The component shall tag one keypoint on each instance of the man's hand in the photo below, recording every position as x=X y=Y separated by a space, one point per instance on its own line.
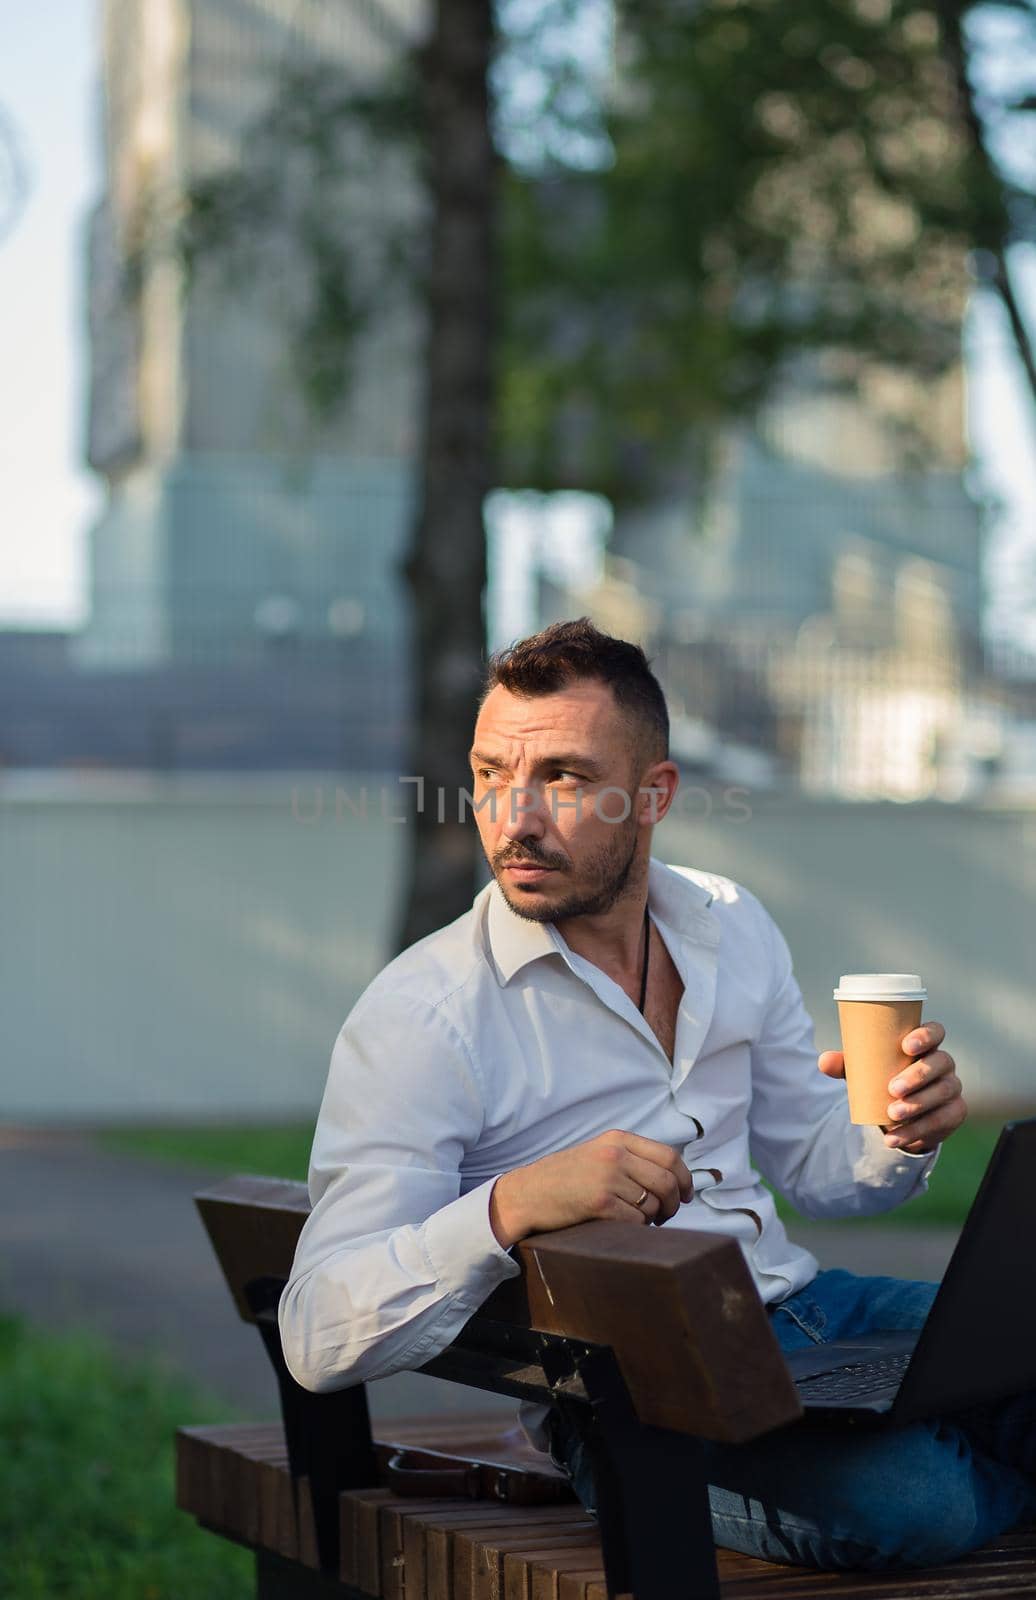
x=601 y=1178
x=926 y=1102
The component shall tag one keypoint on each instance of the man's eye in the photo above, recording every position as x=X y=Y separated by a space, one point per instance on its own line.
x=575 y=776
x=485 y=772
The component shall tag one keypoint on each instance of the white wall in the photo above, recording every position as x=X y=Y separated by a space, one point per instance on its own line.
x=947 y=891
x=188 y=949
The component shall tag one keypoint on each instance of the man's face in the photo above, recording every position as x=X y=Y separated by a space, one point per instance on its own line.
x=555 y=788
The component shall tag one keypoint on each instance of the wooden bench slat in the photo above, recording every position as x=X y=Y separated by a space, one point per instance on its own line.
x=478 y=1555
x=235 y=1479
x=904 y=1587
x=487 y=1562
x=368 y=1542
x=426 y=1543
x=392 y=1518
x=427 y=1550
x=518 y=1567
x=486 y=1518
x=276 y=1512
x=957 y=1581
x=573 y=1585
x=545 y=1577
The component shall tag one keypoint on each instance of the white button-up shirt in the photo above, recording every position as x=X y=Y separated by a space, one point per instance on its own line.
x=490 y=1044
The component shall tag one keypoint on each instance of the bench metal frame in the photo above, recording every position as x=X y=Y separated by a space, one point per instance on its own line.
x=647 y=1340
x=652 y=1495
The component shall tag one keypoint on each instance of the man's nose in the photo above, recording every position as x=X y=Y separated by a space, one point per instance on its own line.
x=523 y=813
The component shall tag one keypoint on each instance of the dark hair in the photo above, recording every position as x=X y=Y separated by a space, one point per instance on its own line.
x=571 y=652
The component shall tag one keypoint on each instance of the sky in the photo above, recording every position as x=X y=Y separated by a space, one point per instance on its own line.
x=1002 y=437
x=48 y=498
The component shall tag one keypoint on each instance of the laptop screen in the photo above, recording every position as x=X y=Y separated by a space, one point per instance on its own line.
x=979 y=1342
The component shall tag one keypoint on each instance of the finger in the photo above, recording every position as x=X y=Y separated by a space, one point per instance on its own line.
x=929 y=1098
x=940 y=1064
x=928 y=1037
x=831 y=1063
x=661 y=1155
x=662 y=1185
x=916 y=1147
x=927 y=1131
x=620 y=1210
x=650 y=1207
x=924 y=1137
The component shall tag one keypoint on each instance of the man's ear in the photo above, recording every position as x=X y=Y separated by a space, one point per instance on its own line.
x=656 y=791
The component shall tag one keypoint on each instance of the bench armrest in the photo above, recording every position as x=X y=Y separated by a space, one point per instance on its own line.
x=682 y=1315
x=678 y=1308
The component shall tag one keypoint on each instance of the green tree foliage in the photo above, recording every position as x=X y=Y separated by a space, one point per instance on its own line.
x=784 y=178
x=750 y=181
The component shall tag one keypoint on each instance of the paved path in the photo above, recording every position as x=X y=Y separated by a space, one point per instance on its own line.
x=109 y=1241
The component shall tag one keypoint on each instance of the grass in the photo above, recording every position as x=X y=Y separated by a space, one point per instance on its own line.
x=87 y=1482
x=284 y=1153
x=274 y=1152
x=952 y=1186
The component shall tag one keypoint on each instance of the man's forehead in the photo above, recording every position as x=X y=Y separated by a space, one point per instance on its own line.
x=585 y=711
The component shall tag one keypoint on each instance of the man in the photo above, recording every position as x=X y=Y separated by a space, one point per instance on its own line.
x=605 y=1036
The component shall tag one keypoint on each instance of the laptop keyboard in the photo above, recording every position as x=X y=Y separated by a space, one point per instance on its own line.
x=860 y=1381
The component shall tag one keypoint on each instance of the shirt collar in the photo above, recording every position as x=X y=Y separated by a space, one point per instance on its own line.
x=673 y=898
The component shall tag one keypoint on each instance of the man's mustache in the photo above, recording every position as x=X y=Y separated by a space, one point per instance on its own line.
x=526 y=857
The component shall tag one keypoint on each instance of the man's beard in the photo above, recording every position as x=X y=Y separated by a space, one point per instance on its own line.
x=608 y=869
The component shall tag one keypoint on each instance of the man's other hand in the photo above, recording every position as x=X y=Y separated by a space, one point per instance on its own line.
x=602 y=1178
x=926 y=1100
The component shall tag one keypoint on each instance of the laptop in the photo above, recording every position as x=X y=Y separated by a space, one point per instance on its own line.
x=979 y=1340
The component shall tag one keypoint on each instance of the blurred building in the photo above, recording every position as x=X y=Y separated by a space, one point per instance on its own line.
x=293 y=713
x=822 y=605
x=237 y=532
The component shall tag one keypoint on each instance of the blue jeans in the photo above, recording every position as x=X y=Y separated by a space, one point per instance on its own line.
x=869 y=1498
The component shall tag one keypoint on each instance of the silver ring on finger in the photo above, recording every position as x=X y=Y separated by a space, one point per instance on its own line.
x=643 y=1196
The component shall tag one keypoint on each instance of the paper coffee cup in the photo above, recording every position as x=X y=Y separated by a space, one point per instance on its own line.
x=876 y=1011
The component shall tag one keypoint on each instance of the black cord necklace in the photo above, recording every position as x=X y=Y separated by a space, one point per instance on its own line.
x=647 y=952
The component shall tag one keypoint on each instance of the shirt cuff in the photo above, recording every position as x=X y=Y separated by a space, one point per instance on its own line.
x=893 y=1165
x=465 y=1254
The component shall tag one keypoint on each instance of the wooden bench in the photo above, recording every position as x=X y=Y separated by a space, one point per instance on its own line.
x=649 y=1340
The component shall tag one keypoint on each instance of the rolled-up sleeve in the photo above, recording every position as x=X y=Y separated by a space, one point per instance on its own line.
x=393 y=1258
x=801 y=1137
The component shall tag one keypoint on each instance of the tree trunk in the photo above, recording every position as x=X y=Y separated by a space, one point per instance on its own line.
x=446 y=566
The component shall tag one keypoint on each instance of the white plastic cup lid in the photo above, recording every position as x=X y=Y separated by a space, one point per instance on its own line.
x=880 y=986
